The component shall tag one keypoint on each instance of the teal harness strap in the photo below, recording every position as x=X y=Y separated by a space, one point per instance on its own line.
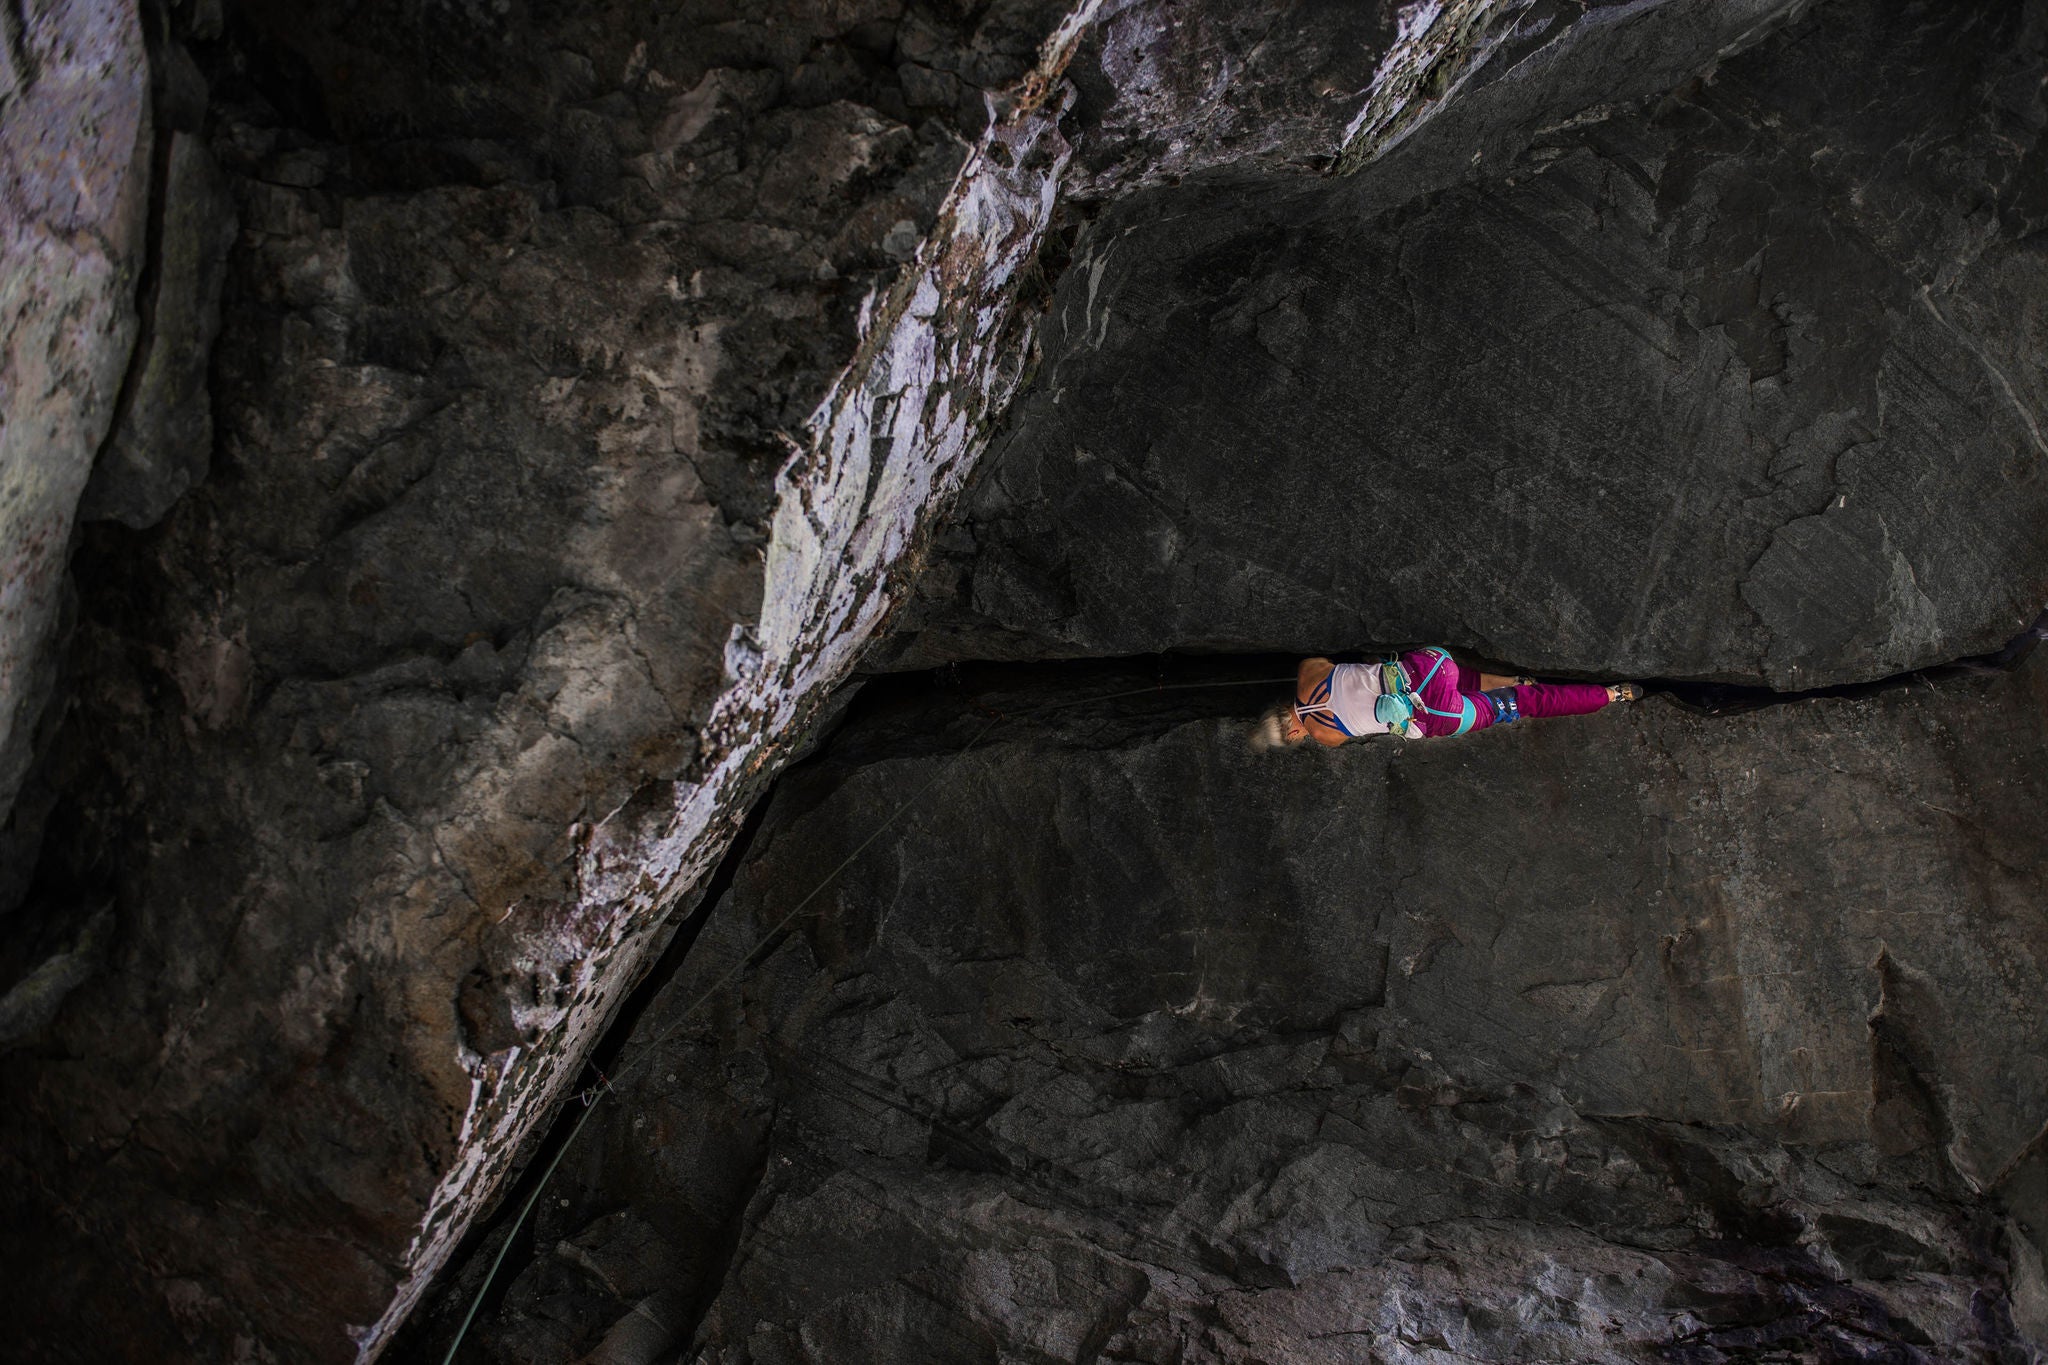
x=1399 y=699
x=1441 y=657
x=1467 y=714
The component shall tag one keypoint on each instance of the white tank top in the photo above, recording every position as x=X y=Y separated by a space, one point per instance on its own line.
x=1347 y=696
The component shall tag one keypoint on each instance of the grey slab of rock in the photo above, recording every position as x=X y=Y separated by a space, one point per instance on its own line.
x=520 y=313
x=1739 y=381
x=74 y=185
x=401 y=735
x=163 y=439
x=1633 y=1037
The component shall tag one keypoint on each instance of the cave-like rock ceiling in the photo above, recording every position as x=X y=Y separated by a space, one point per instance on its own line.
x=633 y=640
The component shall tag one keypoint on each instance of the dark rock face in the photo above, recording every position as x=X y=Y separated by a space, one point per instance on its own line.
x=440 y=628
x=518 y=305
x=392 y=745
x=1739 y=381
x=162 y=440
x=74 y=190
x=1644 y=1037
x=1636 y=1037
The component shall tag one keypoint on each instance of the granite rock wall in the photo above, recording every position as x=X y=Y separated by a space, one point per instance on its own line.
x=75 y=150
x=587 y=381
x=1046 y=1016
x=1726 y=375
x=1644 y=1036
x=588 y=384
x=521 y=316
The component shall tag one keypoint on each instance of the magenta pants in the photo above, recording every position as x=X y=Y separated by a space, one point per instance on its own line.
x=1451 y=685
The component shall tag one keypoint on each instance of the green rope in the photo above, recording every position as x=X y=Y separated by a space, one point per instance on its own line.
x=512 y=1234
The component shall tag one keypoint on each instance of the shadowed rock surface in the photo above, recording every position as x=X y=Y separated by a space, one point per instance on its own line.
x=1738 y=381
x=74 y=191
x=518 y=304
x=1637 y=1037
x=443 y=625
x=427 y=655
x=1646 y=1037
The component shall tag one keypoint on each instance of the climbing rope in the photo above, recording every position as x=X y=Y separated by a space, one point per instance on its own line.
x=608 y=1085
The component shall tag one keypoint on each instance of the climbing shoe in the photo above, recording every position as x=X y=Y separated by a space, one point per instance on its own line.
x=1628 y=691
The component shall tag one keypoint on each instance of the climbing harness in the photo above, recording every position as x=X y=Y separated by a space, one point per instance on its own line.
x=1384 y=688
x=1399 y=701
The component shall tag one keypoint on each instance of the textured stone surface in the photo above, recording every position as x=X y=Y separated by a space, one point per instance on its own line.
x=518 y=308
x=1637 y=1037
x=163 y=437
x=1739 y=381
x=1169 y=89
x=399 y=736
x=537 y=530
x=74 y=186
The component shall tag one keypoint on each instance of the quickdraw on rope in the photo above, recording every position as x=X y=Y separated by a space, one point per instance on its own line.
x=592 y=1094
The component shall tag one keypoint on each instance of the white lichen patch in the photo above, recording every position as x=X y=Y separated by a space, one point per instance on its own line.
x=891 y=444
x=1437 y=45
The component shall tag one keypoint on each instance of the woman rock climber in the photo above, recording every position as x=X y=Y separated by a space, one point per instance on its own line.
x=1431 y=697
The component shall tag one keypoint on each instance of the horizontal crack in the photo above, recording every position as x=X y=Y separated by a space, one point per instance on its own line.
x=908 y=714
x=1728 y=699
x=943 y=710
